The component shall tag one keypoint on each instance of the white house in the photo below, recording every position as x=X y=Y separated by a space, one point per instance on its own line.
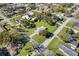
x=38 y=30
x=30 y=13
x=25 y=17
x=75 y=31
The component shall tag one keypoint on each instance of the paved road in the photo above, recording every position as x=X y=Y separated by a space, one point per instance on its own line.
x=46 y=43
x=63 y=52
x=55 y=33
x=70 y=28
x=68 y=51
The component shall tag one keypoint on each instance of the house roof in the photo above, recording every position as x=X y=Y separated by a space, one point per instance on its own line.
x=72 y=40
x=40 y=29
x=76 y=24
x=33 y=19
x=75 y=31
x=30 y=13
x=25 y=16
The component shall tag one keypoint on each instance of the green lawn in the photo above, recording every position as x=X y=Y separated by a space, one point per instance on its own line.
x=13 y=20
x=54 y=46
x=8 y=26
x=39 y=39
x=59 y=53
x=39 y=24
x=2 y=45
x=77 y=50
x=30 y=31
x=42 y=23
x=23 y=52
x=26 y=49
x=63 y=34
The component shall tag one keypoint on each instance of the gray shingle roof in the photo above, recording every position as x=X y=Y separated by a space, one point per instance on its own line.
x=72 y=40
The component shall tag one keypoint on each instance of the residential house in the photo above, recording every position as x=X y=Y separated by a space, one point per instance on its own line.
x=38 y=30
x=30 y=13
x=72 y=40
x=26 y=17
x=76 y=24
x=34 y=19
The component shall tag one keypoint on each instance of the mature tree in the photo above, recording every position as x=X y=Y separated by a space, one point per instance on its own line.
x=61 y=9
x=8 y=37
x=71 y=31
x=68 y=5
x=38 y=15
x=25 y=22
x=47 y=17
x=14 y=35
x=4 y=37
x=4 y=52
x=32 y=5
x=77 y=35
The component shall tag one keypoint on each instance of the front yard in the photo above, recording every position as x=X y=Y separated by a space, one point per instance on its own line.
x=40 y=39
x=63 y=34
x=26 y=49
x=54 y=46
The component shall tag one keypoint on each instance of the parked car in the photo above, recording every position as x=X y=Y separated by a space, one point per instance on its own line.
x=31 y=26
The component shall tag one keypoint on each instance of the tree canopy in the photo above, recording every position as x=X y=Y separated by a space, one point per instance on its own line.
x=9 y=36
